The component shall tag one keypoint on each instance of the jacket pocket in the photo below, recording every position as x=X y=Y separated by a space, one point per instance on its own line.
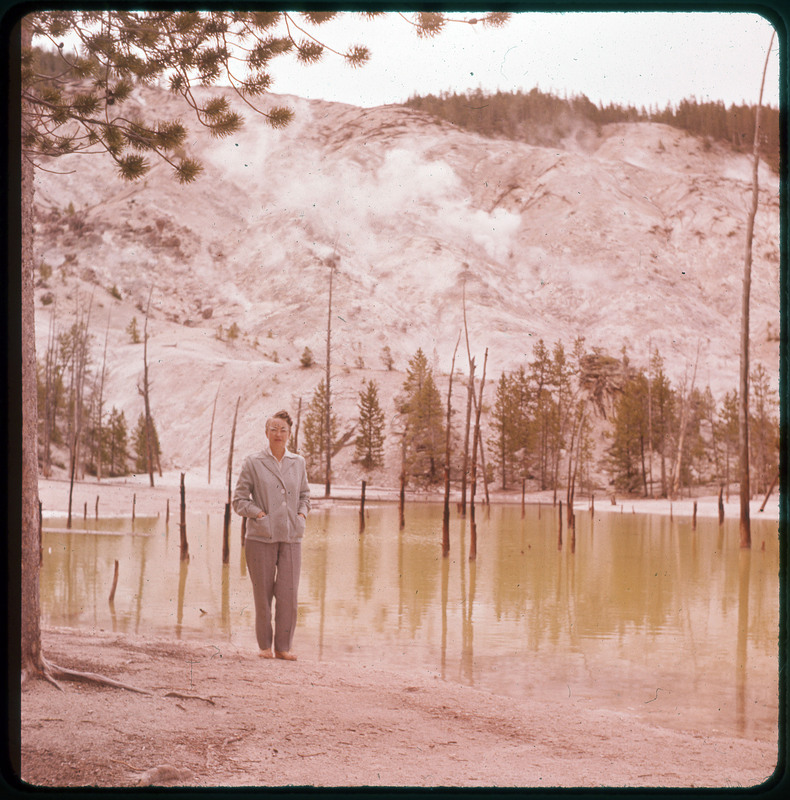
x=260 y=527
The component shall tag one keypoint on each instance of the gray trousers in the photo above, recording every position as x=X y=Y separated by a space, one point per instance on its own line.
x=274 y=570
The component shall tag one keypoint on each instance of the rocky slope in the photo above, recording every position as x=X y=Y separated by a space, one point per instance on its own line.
x=634 y=237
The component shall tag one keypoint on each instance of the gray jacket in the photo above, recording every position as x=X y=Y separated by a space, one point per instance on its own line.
x=279 y=490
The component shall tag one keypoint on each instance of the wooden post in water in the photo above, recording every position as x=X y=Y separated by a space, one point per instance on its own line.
x=402 y=499
x=362 y=508
x=114 y=584
x=592 y=504
x=572 y=531
x=559 y=528
x=85 y=512
x=694 y=517
x=134 y=504
x=183 y=524
x=446 y=511
x=226 y=535
x=97 y=507
x=721 y=506
x=476 y=447
x=226 y=526
x=167 y=512
x=523 y=496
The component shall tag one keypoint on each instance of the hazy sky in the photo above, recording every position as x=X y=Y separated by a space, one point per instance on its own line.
x=630 y=58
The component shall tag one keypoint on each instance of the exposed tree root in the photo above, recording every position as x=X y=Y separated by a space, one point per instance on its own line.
x=190 y=697
x=52 y=672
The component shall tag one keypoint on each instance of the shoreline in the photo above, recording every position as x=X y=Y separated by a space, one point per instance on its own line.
x=134 y=493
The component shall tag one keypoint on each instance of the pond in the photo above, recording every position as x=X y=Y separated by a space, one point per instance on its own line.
x=643 y=614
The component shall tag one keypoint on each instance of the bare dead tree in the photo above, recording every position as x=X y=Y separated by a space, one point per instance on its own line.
x=79 y=365
x=296 y=427
x=145 y=392
x=743 y=405
x=476 y=437
x=446 y=515
x=573 y=461
x=685 y=406
x=650 y=415
x=331 y=263
x=50 y=397
x=100 y=401
x=211 y=429
x=182 y=525
x=470 y=392
x=226 y=528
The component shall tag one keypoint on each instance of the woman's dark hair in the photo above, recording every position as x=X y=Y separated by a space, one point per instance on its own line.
x=285 y=417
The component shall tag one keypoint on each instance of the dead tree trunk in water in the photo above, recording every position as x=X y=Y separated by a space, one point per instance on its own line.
x=328 y=421
x=145 y=391
x=476 y=437
x=211 y=430
x=402 y=499
x=79 y=368
x=470 y=392
x=183 y=525
x=480 y=443
x=446 y=515
x=743 y=409
x=100 y=402
x=573 y=464
x=226 y=531
x=685 y=405
x=559 y=528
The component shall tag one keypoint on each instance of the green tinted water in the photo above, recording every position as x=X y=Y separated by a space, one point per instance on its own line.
x=641 y=615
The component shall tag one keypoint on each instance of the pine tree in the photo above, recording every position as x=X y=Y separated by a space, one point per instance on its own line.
x=117 y=445
x=763 y=428
x=140 y=448
x=314 y=442
x=662 y=398
x=420 y=408
x=626 y=454
x=369 y=452
x=505 y=421
x=544 y=407
x=727 y=424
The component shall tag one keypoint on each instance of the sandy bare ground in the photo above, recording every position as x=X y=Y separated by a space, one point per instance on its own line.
x=219 y=717
x=214 y=716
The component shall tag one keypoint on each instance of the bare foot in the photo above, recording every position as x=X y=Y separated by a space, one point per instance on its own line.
x=266 y=654
x=286 y=656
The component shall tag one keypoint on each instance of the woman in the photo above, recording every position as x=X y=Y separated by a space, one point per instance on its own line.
x=273 y=494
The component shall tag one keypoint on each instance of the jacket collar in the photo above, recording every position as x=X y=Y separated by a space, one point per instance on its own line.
x=270 y=462
x=267 y=451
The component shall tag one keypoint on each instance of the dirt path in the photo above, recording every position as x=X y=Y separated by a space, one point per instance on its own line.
x=220 y=717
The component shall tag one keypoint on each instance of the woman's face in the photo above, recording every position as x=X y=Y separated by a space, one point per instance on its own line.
x=277 y=432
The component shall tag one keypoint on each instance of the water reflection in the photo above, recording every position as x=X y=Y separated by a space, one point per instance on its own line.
x=643 y=614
